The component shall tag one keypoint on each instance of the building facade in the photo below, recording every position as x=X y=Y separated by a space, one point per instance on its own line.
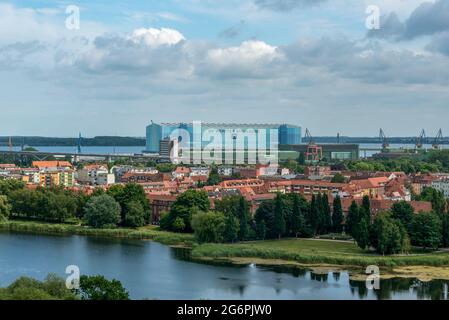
x=155 y=133
x=443 y=186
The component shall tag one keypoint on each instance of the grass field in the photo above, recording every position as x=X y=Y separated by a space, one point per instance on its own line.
x=308 y=251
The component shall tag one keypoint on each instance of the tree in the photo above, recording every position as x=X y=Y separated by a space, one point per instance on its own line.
x=261 y=229
x=297 y=224
x=214 y=178
x=388 y=235
x=184 y=206
x=5 y=208
x=326 y=219
x=338 y=178
x=425 y=230
x=209 y=226
x=402 y=211
x=9 y=185
x=135 y=214
x=314 y=215
x=24 y=288
x=353 y=218
x=243 y=216
x=366 y=208
x=337 y=215
x=361 y=233
x=128 y=193
x=231 y=229
x=279 y=218
x=99 y=288
x=444 y=216
x=102 y=211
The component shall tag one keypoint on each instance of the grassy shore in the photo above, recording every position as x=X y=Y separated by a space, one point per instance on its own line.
x=304 y=252
x=145 y=233
x=314 y=252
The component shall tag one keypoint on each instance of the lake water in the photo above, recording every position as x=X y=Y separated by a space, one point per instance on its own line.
x=151 y=270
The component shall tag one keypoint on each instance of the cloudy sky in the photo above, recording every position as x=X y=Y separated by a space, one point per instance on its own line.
x=312 y=63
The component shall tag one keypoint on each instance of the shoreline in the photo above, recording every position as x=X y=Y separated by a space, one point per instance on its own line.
x=204 y=253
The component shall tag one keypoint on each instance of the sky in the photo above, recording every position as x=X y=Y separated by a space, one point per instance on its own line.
x=312 y=63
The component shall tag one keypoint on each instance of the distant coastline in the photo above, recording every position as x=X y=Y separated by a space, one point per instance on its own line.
x=104 y=141
x=118 y=141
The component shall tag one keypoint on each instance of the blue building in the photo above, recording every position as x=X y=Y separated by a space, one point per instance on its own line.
x=287 y=134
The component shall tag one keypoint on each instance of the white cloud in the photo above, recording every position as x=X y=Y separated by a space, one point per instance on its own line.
x=157 y=37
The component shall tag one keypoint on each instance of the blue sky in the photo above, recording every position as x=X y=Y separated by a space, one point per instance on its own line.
x=309 y=63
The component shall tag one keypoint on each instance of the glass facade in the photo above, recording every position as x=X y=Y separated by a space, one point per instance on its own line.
x=153 y=137
x=289 y=134
x=286 y=134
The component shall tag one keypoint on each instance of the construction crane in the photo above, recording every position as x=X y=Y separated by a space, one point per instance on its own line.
x=383 y=140
x=438 y=139
x=314 y=152
x=421 y=140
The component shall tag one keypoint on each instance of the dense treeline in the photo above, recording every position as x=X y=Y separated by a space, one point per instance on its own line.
x=69 y=142
x=119 y=205
x=433 y=161
x=287 y=215
x=400 y=228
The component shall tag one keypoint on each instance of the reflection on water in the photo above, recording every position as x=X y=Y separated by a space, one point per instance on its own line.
x=151 y=270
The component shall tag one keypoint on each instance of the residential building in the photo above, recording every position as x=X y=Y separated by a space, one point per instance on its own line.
x=442 y=185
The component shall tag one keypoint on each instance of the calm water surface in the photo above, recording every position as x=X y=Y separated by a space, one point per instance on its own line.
x=151 y=270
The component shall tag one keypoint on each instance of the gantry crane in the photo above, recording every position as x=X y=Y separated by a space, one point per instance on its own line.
x=438 y=139
x=421 y=140
x=384 y=140
x=314 y=152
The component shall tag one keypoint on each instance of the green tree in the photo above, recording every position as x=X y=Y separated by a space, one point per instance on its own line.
x=243 y=216
x=214 y=178
x=209 y=226
x=362 y=233
x=425 y=230
x=9 y=185
x=338 y=178
x=353 y=218
x=402 y=211
x=326 y=219
x=24 y=288
x=100 y=288
x=135 y=214
x=231 y=229
x=129 y=193
x=366 y=208
x=261 y=229
x=5 y=208
x=313 y=219
x=102 y=212
x=279 y=218
x=388 y=235
x=184 y=206
x=298 y=221
x=337 y=215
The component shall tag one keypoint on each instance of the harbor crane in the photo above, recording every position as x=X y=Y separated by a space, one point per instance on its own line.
x=314 y=152
x=438 y=139
x=421 y=140
x=384 y=140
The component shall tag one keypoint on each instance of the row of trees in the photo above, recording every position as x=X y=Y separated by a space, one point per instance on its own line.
x=396 y=230
x=286 y=215
x=124 y=205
